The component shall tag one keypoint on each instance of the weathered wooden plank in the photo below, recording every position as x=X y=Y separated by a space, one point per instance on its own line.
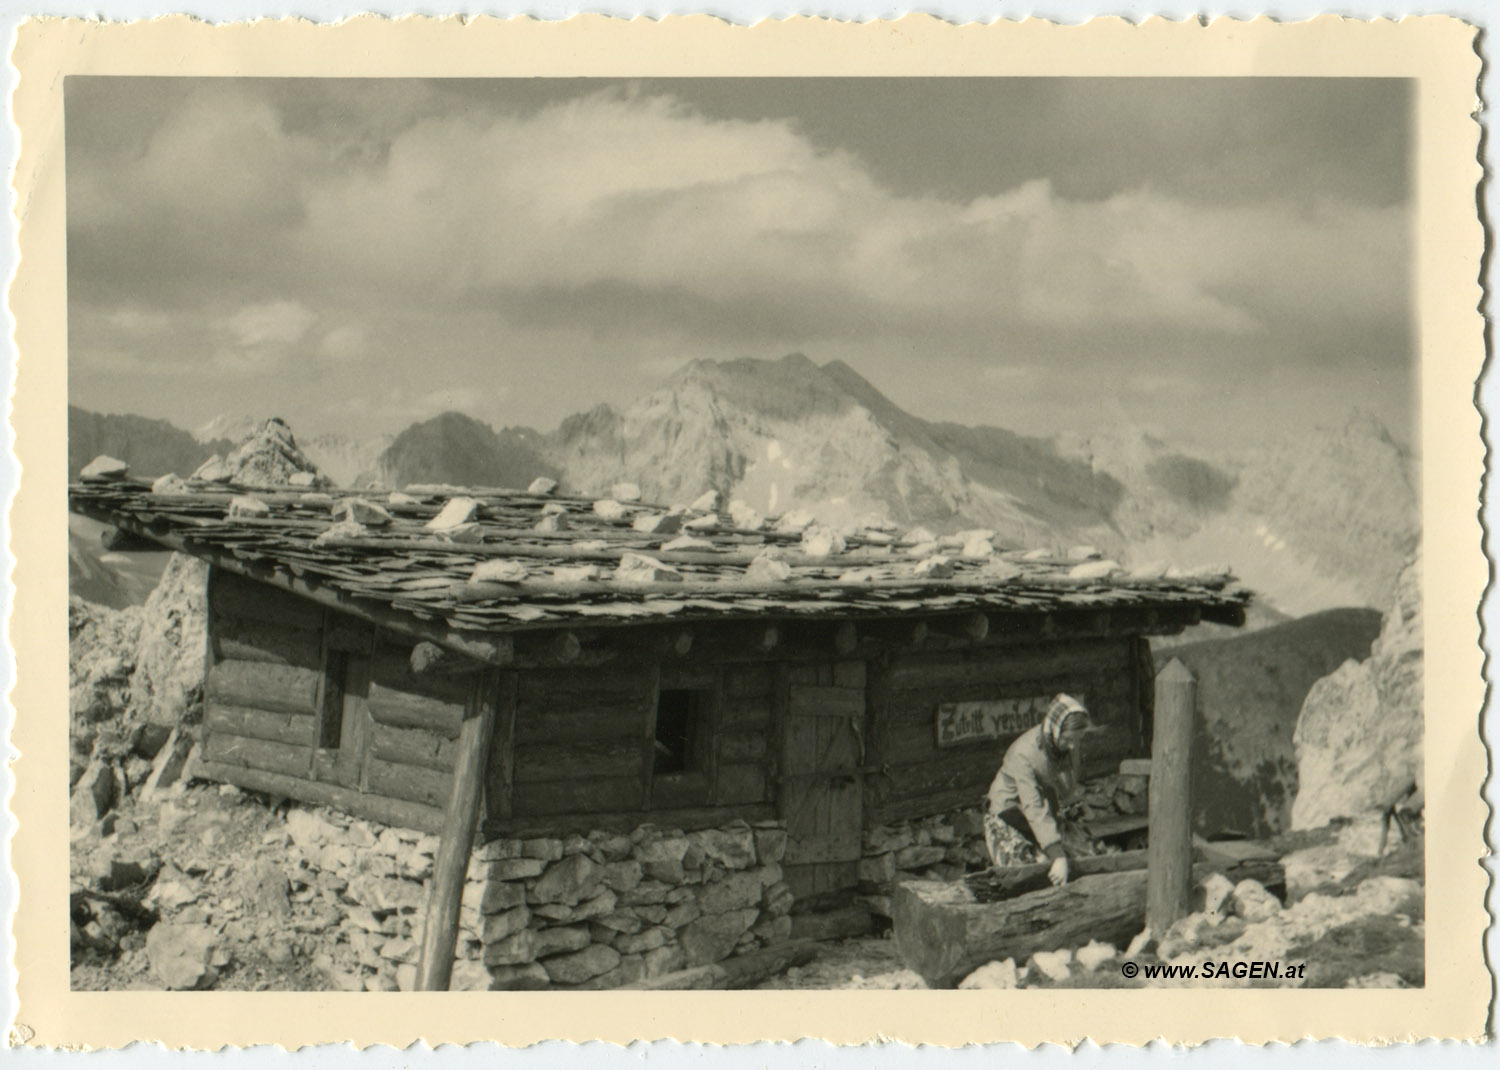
x=264 y=686
x=241 y=639
x=349 y=634
x=296 y=729
x=955 y=769
x=742 y=747
x=387 y=811
x=405 y=710
x=747 y=680
x=391 y=669
x=550 y=689
x=955 y=669
x=806 y=700
x=679 y=790
x=501 y=772
x=409 y=782
x=697 y=817
x=413 y=746
x=238 y=596
x=1109 y=695
x=610 y=757
x=590 y=721
x=577 y=796
x=264 y=754
x=745 y=711
x=904 y=808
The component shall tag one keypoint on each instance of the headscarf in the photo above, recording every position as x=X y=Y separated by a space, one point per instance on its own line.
x=1063 y=707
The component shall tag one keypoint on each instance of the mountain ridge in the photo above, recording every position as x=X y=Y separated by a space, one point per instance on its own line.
x=1319 y=518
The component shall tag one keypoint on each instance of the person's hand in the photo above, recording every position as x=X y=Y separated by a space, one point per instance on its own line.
x=1058 y=873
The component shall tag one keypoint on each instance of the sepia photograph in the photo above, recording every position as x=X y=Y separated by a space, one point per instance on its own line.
x=735 y=533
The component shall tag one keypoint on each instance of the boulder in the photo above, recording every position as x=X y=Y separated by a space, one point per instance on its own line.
x=168 y=680
x=95 y=793
x=370 y=514
x=513 y=950
x=1359 y=737
x=732 y=847
x=622 y=876
x=663 y=960
x=1053 y=965
x=1211 y=896
x=560 y=938
x=1253 y=902
x=599 y=906
x=169 y=765
x=541 y=485
x=993 y=975
x=738 y=891
x=105 y=467
x=1095 y=954
x=637 y=568
x=770 y=844
x=455 y=514
x=506 y=923
x=182 y=955
x=574 y=878
x=646 y=940
x=581 y=966
x=778 y=898
x=529 y=977
x=514 y=869
x=714 y=936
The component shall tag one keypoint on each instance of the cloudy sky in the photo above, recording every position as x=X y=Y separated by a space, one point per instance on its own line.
x=1204 y=257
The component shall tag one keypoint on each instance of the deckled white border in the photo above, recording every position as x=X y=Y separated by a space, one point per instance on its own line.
x=669 y=1055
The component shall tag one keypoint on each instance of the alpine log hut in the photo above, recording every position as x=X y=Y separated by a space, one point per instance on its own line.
x=650 y=734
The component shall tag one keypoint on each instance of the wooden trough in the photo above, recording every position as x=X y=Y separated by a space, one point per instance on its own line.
x=944 y=930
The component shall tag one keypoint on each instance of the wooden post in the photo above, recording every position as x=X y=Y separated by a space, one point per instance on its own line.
x=451 y=866
x=1169 y=864
x=846 y=639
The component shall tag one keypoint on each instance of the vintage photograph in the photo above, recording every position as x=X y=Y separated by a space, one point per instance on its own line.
x=727 y=533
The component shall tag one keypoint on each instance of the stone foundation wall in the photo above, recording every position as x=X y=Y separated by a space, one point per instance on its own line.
x=940 y=847
x=605 y=910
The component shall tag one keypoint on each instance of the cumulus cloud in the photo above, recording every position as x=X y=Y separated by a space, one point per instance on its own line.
x=270 y=323
x=613 y=190
x=582 y=241
x=343 y=343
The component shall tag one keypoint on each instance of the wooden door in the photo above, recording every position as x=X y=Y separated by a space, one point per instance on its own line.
x=822 y=782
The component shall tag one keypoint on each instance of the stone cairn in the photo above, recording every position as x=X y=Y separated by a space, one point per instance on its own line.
x=605 y=910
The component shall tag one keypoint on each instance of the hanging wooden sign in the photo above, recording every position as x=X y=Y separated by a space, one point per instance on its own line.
x=963 y=722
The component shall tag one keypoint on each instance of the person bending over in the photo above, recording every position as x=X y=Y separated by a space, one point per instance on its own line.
x=1023 y=818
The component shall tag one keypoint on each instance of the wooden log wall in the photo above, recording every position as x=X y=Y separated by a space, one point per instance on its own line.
x=579 y=750
x=285 y=676
x=917 y=777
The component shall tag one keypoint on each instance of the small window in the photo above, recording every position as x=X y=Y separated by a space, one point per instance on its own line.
x=680 y=731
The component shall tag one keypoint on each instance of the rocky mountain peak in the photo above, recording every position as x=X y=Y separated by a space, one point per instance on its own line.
x=268 y=458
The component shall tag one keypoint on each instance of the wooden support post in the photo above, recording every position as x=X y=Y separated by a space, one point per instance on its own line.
x=451 y=866
x=1170 y=848
x=846 y=639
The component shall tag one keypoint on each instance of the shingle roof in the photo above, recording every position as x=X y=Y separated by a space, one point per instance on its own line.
x=498 y=572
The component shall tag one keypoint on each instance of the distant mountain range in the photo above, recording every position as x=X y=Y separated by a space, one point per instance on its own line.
x=1319 y=518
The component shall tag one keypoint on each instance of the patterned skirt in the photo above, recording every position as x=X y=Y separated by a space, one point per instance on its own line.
x=1009 y=847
